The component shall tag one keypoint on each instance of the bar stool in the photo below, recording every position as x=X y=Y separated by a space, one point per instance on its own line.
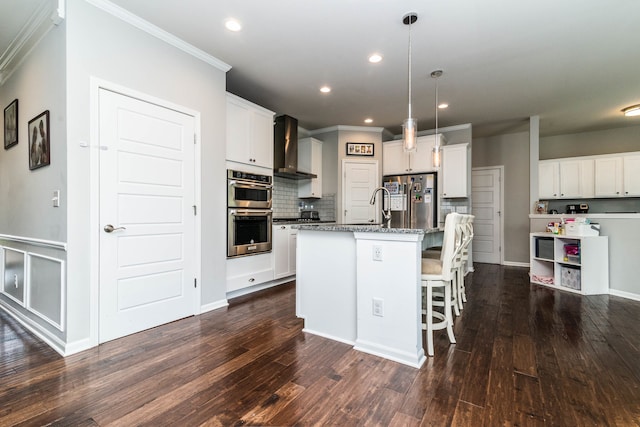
x=438 y=274
x=467 y=237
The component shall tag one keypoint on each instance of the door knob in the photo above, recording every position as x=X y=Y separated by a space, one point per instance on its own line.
x=110 y=228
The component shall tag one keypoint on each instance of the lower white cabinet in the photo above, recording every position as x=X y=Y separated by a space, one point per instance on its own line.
x=247 y=271
x=284 y=250
x=586 y=273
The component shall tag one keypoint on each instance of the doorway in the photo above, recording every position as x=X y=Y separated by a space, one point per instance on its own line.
x=487 y=206
x=147 y=236
x=360 y=179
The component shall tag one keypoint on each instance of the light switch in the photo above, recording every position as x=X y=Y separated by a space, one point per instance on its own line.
x=56 y=198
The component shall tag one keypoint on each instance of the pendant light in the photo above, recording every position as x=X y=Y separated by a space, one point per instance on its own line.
x=410 y=125
x=437 y=152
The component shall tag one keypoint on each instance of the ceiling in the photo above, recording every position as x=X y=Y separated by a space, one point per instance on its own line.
x=573 y=62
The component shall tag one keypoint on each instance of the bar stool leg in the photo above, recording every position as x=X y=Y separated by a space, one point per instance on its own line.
x=447 y=313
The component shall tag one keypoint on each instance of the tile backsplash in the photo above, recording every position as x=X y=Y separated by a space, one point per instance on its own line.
x=286 y=203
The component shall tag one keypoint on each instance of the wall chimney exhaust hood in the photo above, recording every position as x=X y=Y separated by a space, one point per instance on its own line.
x=285 y=149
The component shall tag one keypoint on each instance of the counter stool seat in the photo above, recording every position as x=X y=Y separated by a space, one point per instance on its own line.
x=437 y=274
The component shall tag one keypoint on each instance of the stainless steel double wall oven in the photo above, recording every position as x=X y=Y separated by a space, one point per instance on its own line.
x=249 y=214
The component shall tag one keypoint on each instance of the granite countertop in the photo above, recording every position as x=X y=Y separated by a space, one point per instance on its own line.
x=372 y=228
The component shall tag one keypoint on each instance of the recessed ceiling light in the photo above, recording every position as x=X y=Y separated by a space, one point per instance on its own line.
x=375 y=58
x=368 y=120
x=443 y=105
x=325 y=89
x=232 y=25
x=633 y=110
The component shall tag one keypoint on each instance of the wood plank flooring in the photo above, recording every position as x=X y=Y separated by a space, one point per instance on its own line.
x=526 y=356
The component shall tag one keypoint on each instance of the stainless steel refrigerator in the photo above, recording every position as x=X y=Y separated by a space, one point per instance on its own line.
x=413 y=200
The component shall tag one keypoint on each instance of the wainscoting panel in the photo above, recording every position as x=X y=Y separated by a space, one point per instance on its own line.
x=46 y=289
x=13 y=262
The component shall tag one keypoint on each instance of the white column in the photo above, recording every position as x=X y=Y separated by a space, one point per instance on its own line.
x=534 y=155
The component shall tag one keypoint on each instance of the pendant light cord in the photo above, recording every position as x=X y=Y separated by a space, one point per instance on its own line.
x=410 y=66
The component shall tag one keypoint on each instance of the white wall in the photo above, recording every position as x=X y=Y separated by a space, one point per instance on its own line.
x=26 y=209
x=99 y=45
x=512 y=151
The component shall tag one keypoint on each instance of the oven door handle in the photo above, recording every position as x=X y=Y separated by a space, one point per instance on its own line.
x=249 y=211
x=248 y=184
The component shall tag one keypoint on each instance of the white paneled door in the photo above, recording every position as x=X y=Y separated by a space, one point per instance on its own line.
x=486 y=197
x=360 y=179
x=147 y=235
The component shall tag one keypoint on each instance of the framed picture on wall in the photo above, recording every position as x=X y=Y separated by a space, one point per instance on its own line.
x=359 y=149
x=39 y=147
x=11 y=125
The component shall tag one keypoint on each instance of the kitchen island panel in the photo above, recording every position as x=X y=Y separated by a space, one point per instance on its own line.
x=327 y=269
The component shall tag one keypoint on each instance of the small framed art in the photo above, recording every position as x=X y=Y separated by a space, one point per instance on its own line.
x=39 y=146
x=359 y=149
x=11 y=125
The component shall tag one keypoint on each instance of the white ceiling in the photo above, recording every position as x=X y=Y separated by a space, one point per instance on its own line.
x=575 y=63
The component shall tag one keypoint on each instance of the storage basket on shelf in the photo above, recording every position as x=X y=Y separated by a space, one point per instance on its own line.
x=570 y=277
x=572 y=252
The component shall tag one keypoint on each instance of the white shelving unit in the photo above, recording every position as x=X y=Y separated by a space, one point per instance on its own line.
x=586 y=275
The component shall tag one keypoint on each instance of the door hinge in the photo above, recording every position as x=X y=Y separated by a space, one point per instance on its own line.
x=195 y=210
x=195 y=282
x=194 y=138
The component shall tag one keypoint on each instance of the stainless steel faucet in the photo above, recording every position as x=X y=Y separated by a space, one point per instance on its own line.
x=387 y=214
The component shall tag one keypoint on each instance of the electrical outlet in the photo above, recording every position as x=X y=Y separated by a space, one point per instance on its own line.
x=378 y=307
x=377 y=253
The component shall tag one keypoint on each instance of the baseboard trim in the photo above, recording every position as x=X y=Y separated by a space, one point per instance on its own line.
x=51 y=340
x=624 y=294
x=516 y=264
x=214 y=306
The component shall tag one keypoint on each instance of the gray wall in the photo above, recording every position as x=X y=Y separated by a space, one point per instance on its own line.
x=100 y=45
x=590 y=143
x=511 y=151
x=26 y=209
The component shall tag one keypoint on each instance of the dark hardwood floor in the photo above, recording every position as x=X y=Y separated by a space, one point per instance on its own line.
x=526 y=355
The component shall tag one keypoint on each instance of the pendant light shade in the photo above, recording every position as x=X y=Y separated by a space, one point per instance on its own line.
x=410 y=125
x=409 y=131
x=436 y=155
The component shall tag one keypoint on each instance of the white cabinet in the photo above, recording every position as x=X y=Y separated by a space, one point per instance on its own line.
x=608 y=177
x=244 y=272
x=310 y=161
x=631 y=175
x=548 y=180
x=454 y=171
x=565 y=179
x=249 y=133
x=396 y=162
x=587 y=273
x=284 y=251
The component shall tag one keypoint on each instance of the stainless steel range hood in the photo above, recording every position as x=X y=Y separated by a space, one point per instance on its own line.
x=285 y=151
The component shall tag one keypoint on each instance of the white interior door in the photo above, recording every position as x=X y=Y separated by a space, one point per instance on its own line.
x=360 y=179
x=147 y=193
x=486 y=206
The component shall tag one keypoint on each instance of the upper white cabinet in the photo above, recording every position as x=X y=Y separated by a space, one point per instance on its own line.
x=454 y=170
x=396 y=162
x=249 y=133
x=548 y=180
x=608 y=177
x=310 y=161
x=631 y=175
x=565 y=179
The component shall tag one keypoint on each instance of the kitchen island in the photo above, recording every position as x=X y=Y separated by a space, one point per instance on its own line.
x=360 y=284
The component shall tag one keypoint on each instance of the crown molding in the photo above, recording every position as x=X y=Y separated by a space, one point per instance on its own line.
x=44 y=18
x=159 y=33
